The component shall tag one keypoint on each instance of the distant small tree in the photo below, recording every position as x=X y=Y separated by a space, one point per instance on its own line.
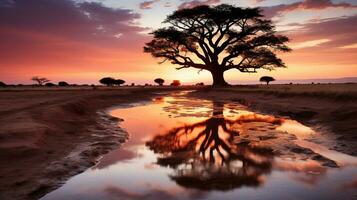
x=175 y=83
x=63 y=84
x=2 y=84
x=159 y=81
x=266 y=79
x=108 y=81
x=50 y=84
x=40 y=80
x=200 y=84
x=118 y=82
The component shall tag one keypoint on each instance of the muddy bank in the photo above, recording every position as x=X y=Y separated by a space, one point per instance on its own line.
x=333 y=117
x=48 y=136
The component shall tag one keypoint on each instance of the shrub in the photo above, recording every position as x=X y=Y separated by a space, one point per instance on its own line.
x=63 y=84
x=175 y=83
x=50 y=84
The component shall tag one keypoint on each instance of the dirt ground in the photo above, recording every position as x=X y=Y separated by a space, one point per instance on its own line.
x=47 y=136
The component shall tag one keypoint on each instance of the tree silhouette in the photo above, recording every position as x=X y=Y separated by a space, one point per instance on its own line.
x=63 y=84
x=266 y=79
x=218 y=39
x=205 y=154
x=108 y=81
x=118 y=82
x=2 y=84
x=40 y=80
x=159 y=81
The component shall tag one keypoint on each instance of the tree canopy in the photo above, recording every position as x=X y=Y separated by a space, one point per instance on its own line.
x=109 y=81
x=218 y=39
x=159 y=81
x=40 y=80
x=50 y=84
x=266 y=79
x=119 y=82
x=63 y=84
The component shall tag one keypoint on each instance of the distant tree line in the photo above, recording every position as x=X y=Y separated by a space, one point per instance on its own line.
x=109 y=81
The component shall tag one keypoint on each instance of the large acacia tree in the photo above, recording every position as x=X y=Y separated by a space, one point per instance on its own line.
x=218 y=39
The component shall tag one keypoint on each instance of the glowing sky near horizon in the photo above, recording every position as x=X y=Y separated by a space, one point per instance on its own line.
x=81 y=41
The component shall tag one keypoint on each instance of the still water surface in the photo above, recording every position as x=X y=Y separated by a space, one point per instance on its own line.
x=186 y=148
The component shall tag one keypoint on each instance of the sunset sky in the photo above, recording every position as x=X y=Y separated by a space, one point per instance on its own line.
x=81 y=41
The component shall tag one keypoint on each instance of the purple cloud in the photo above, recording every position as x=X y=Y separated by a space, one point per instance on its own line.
x=43 y=32
x=82 y=21
x=272 y=11
x=339 y=31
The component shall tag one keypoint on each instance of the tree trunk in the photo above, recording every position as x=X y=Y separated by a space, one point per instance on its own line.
x=218 y=79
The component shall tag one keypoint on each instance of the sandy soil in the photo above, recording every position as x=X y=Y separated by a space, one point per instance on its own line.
x=47 y=136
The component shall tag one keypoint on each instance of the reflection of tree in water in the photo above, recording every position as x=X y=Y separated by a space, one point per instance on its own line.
x=210 y=155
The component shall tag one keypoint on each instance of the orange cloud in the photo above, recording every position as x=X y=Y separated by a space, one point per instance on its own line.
x=147 y=4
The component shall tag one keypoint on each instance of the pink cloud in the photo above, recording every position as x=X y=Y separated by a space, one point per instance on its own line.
x=194 y=3
x=258 y=1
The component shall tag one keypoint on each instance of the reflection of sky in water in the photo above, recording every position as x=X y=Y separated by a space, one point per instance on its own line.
x=132 y=172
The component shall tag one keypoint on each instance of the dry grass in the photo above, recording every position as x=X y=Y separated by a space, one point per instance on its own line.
x=83 y=88
x=346 y=91
x=331 y=91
